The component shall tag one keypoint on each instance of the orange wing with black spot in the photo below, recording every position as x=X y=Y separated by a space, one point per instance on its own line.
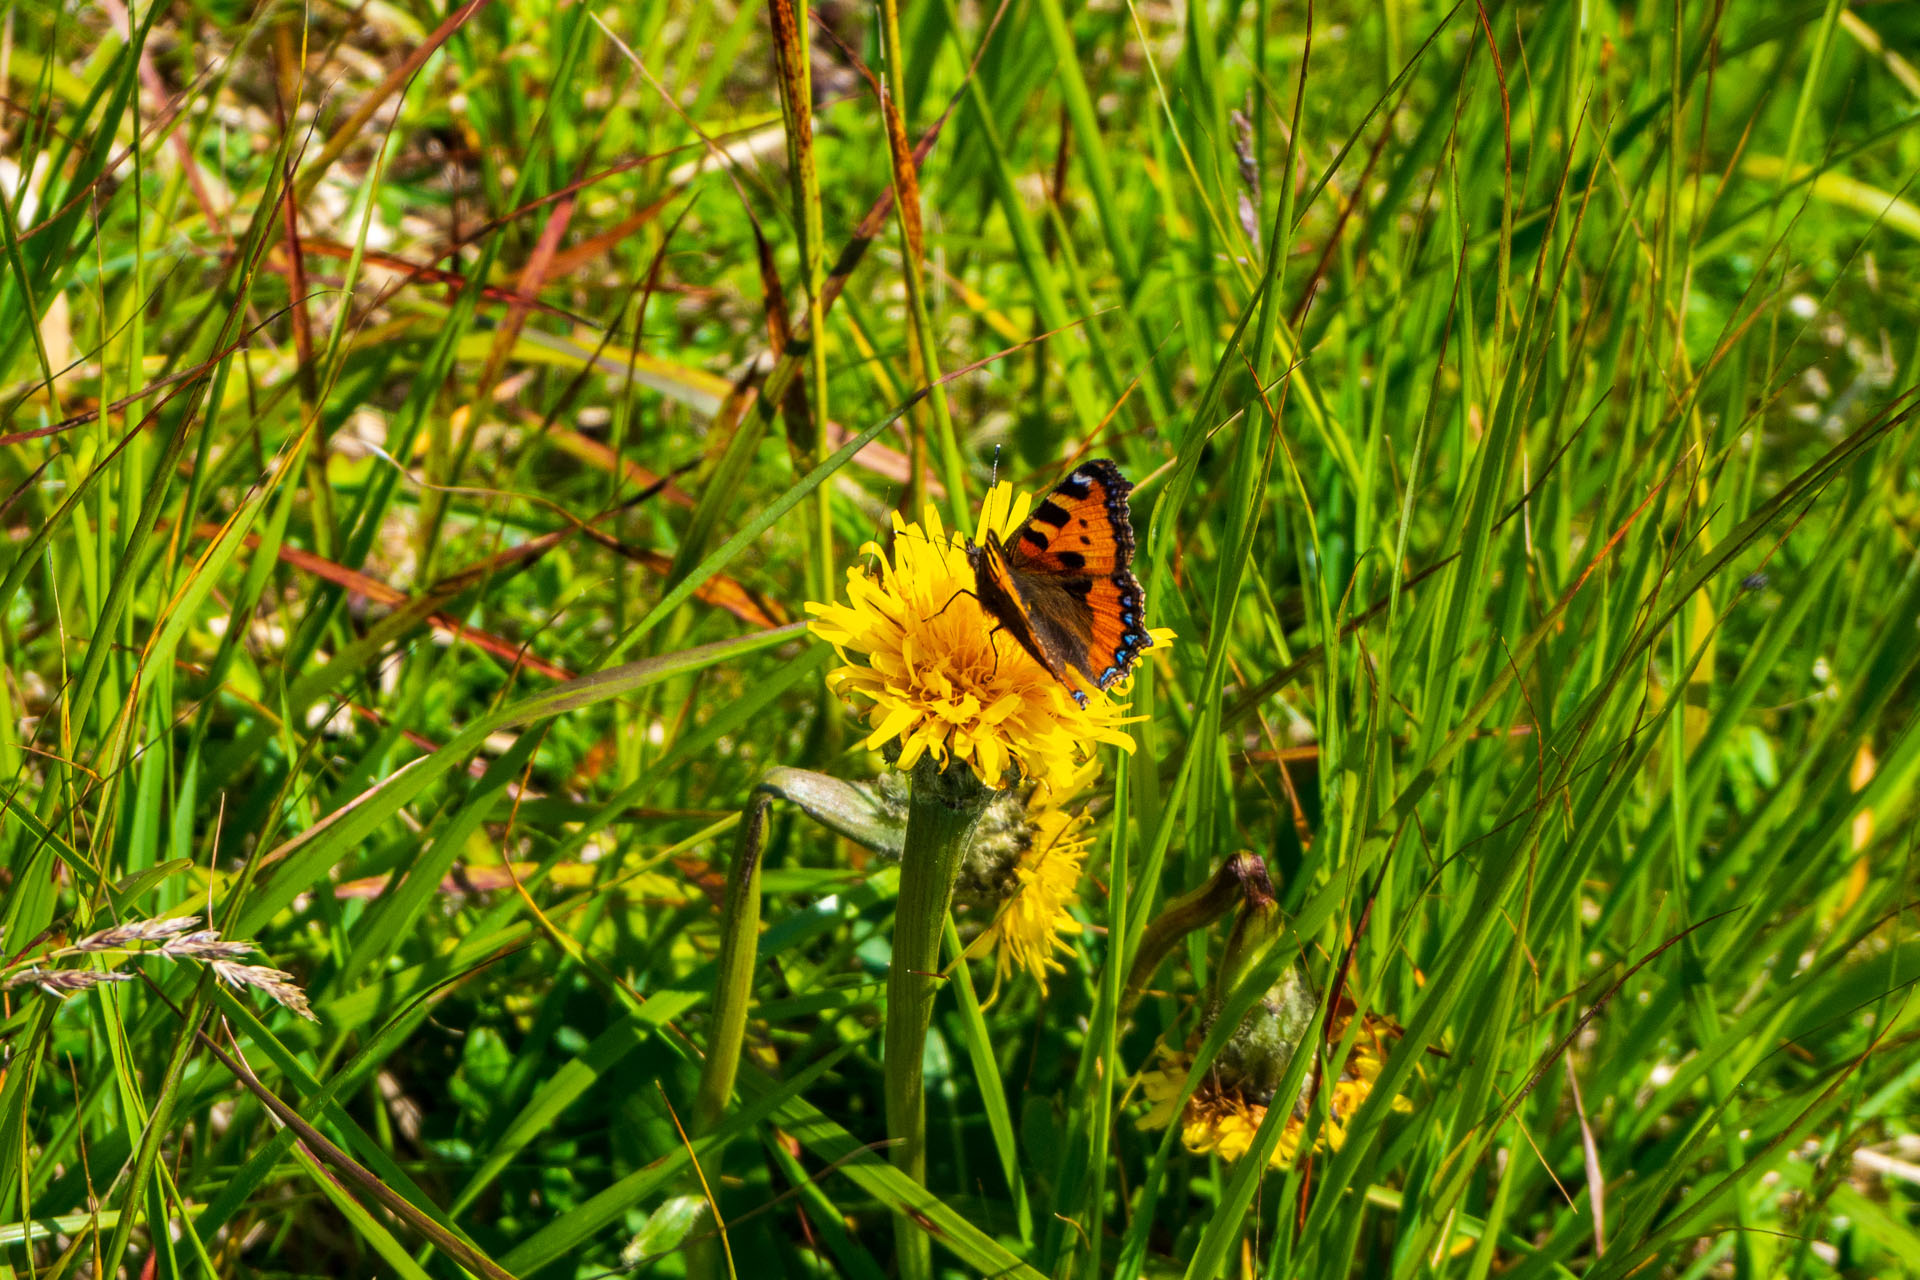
x=1082 y=527
x=1071 y=569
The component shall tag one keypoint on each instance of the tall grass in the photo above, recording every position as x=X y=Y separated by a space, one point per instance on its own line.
x=420 y=428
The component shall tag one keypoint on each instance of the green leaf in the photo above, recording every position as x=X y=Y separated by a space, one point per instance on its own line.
x=666 y=1228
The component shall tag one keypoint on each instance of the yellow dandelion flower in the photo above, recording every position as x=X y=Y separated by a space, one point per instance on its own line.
x=1220 y=1120
x=928 y=670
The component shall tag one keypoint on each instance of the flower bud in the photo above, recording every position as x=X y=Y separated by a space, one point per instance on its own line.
x=1256 y=929
x=874 y=816
x=1240 y=879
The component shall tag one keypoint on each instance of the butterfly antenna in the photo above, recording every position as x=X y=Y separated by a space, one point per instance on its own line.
x=996 y=467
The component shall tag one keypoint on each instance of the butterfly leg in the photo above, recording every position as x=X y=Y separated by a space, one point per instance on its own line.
x=949 y=604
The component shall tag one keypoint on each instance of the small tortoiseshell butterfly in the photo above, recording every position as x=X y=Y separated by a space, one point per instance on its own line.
x=1063 y=584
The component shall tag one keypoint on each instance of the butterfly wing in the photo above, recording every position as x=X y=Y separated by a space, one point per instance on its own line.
x=1010 y=604
x=1082 y=527
x=1071 y=565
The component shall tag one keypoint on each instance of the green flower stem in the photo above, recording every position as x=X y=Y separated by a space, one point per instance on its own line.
x=941 y=815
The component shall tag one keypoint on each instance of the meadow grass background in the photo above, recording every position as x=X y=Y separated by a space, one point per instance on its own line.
x=1520 y=401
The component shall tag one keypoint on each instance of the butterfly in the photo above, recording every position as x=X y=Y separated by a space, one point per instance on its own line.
x=1063 y=584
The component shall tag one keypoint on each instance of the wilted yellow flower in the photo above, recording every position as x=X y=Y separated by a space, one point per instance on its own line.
x=1220 y=1119
x=927 y=668
x=1036 y=919
x=1216 y=1120
x=1019 y=879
